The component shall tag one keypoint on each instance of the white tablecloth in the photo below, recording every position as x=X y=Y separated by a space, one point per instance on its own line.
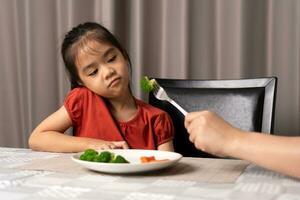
x=25 y=174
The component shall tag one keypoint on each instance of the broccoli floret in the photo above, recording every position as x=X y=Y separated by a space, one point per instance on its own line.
x=88 y=155
x=119 y=159
x=90 y=152
x=104 y=156
x=147 y=85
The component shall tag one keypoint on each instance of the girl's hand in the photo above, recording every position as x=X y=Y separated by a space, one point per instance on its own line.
x=109 y=145
x=120 y=145
x=211 y=133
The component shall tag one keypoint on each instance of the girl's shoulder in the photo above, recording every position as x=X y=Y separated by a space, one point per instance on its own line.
x=74 y=103
x=79 y=93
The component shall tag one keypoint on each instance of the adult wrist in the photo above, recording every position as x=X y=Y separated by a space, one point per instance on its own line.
x=235 y=145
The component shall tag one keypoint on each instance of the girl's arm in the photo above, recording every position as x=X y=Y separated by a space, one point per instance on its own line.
x=212 y=134
x=48 y=136
x=168 y=146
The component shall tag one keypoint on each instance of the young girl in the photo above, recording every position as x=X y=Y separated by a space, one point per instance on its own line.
x=101 y=108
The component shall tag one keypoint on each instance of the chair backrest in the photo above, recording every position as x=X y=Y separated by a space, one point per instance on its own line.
x=248 y=104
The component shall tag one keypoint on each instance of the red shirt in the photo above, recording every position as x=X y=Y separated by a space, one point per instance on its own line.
x=91 y=118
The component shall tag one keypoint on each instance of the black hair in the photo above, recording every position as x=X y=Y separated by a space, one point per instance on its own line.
x=77 y=37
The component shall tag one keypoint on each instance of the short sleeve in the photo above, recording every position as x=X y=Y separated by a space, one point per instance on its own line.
x=164 y=129
x=73 y=104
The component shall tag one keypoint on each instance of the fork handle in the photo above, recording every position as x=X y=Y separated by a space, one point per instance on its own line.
x=178 y=107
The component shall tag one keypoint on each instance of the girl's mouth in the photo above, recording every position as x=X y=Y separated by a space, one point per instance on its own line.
x=114 y=82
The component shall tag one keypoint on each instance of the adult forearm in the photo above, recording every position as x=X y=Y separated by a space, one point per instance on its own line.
x=278 y=153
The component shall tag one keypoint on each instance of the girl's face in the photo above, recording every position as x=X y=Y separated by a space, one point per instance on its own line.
x=103 y=69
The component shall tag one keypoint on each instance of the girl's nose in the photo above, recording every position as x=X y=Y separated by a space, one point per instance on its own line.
x=108 y=72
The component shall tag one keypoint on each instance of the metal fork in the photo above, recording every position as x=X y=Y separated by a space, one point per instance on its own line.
x=160 y=93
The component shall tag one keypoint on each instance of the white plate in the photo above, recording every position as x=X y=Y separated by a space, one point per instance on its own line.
x=135 y=165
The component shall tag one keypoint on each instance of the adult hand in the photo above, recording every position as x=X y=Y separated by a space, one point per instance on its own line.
x=210 y=133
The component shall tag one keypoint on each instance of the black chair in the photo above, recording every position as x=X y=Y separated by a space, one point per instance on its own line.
x=248 y=104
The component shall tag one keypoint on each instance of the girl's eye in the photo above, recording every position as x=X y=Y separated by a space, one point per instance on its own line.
x=93 y=73
x=112 y=59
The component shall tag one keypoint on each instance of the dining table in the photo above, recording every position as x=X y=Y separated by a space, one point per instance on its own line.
x=27 y=174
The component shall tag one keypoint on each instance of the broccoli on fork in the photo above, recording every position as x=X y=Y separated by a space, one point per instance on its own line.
x=147 y=84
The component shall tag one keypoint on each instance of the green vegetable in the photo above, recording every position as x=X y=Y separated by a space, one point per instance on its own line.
x=147 y=85
x=104 y=156
x=88 y=155
x=119 y=159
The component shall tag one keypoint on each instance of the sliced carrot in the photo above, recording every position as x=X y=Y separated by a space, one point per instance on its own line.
x=148 y=159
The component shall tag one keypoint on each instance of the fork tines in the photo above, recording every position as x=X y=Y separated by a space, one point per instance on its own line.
x=156 y=86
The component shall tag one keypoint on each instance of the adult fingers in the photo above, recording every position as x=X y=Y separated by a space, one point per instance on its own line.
x=190 y=117
x=194 y=125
